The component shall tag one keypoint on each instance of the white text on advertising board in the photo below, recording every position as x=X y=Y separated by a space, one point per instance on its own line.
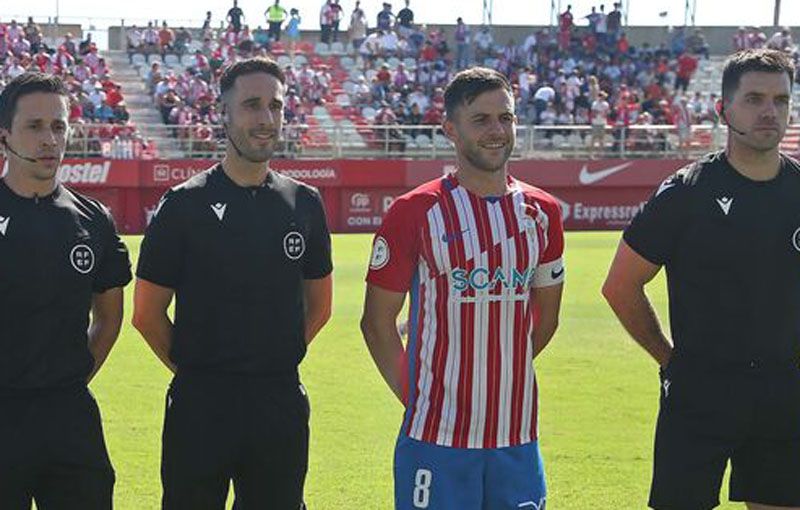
x=310 y=173
x=167 y=173
x=364 y=221
x=611 y=214
x=84 y=173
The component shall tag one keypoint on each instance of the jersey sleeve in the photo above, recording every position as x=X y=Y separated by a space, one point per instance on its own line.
x=654 y=231
x=115 y=270
x=162 y=252
x=550 y=270
x=395 y=251
x=318 y=264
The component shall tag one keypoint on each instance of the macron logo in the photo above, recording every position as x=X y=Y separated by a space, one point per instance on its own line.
x=725 y=204
x=219 y=210
x=586 y=177
x=4 y=220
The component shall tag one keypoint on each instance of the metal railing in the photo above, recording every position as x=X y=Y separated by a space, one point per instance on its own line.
x=334 y=140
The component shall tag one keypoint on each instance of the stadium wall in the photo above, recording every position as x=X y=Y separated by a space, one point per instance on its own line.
x=594 y=194
x=53 y=31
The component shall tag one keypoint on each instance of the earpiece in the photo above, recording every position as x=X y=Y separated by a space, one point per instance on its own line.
x=720 y=107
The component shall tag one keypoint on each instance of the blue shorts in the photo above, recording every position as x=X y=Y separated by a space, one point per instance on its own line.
x=442 y=478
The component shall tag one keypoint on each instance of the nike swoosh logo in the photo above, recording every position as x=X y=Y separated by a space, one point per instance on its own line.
x=557 y=274
x=586 y=177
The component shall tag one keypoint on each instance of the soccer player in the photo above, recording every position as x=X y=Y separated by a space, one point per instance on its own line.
x=60 y=258
x=246 y=253
x=727 y=229
x=480 y=254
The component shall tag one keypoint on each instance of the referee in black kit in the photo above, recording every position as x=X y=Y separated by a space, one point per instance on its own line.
x=247 y=253
x=727 y=229
x=60 y=258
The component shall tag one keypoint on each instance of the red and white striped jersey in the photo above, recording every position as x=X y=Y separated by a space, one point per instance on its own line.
x=469 y=264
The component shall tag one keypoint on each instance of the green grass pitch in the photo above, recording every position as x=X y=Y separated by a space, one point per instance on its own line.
x=598 y=399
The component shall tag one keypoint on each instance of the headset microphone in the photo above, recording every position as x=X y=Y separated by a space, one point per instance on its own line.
x=225 y=120
x=721 y=112
x=17 y=154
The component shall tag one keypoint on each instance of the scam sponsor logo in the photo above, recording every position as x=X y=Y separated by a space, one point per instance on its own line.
x=482 y=278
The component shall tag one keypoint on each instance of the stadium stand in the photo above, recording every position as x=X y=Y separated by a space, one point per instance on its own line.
x=379 y=92
x=98 y=111
x=382 y=93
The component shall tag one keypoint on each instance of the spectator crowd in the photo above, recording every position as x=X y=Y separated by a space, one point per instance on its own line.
x=98 y=112
x=584 y=71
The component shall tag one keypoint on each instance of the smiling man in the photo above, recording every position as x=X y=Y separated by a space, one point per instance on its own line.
x=727 y=230
x=246 y=252
x=60 y=259
x=480 y=255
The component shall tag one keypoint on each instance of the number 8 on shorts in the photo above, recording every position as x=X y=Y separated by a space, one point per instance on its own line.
x=422 y=488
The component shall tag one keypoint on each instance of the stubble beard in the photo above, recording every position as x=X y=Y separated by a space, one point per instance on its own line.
x=250 y=153
x=480 y=162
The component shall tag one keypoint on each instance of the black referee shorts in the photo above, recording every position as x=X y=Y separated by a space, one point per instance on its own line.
x=251 y=430
x=52 y=450
x=710 y=417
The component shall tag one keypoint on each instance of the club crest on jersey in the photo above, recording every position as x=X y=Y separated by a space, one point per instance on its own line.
x=380 y=254
x=294 y=245
x=82 y=259
x=796 y=239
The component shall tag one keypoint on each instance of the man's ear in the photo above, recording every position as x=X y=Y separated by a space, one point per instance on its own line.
x=449 y=129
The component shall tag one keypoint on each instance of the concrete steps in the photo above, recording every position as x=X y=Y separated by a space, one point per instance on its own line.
x=140 y=105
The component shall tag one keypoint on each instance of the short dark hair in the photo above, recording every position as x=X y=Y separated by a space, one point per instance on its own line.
x=469 y=84
x=23 y=85
x=249 y=66
x=757 y=60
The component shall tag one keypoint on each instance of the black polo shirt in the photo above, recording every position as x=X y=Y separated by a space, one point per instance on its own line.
x=55 y=252
x=237 y=258
x=731 y=248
